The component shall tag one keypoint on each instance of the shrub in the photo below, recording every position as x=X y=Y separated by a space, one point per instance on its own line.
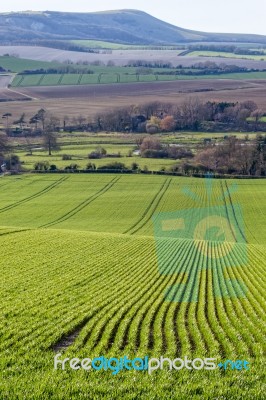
x=179 y=152
x=134 y=166
x=114 y=155
x=174 y=168
x=94 y=155
x=72 y=167
x=152 y=128
x=114 y=166
x=41 y=166
x=152 y=153
x=91 y=166
x=66 y=157
x=145 y=168
x=12 y=162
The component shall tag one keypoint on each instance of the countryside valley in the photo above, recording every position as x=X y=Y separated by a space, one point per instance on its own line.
x=132 y=206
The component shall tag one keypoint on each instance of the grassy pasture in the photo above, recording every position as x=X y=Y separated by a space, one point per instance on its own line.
x=104 y=74
x=79 y=145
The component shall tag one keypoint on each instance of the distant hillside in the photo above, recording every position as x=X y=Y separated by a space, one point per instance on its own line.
x=123 y=26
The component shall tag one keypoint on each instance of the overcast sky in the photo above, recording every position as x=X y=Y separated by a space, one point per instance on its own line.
x=236 y=16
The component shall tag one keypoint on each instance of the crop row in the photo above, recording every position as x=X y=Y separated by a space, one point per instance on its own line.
x=118 y=296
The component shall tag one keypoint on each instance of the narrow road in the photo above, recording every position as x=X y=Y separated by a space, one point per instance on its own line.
x=5 y=80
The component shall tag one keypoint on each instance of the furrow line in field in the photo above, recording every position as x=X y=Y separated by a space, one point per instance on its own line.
x=193 y=326
x=106 y=320
x=125 y=334
x=143 y=329
x=141 y=300
x=223 y=291
x=255 y=282
x=193 y=334
x=168 y=322
x=82 y=205
x=155 y=333
x=231 y=300
x=246 y=319
x=33 y=196
x=227 y=213
x=150 y=209
x=209 y=339
x=208 y=336
x=257 y=260
x=138 y=277
x=190 y=287
x=255 y=293
x=234 y=214
x=59 y=311
x=212 y=314
x=193 y=282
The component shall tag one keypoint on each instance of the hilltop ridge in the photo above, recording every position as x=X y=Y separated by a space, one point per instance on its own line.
x=121 y=26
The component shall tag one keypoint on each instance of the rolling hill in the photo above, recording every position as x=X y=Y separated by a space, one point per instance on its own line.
x=123 y=26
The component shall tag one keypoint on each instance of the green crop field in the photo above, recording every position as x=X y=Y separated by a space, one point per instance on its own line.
x=98 y=44
x=227 y=55
x=124 y=75
x=86 y=273
x=15 y=64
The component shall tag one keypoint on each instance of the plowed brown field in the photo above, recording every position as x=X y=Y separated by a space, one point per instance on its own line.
x=88 y=100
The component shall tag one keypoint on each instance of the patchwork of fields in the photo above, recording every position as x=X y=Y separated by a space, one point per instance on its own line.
x=105 y=78
x=120 y=57
x=81 y=275
x=92 y=99
x=86 y=79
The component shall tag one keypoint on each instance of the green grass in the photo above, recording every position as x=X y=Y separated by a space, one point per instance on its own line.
x=227 y=55
x=79 y=256
x=16 y=64
x=80 y=157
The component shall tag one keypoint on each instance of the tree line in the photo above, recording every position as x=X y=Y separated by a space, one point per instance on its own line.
x=192 y=114
x=152 y=117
